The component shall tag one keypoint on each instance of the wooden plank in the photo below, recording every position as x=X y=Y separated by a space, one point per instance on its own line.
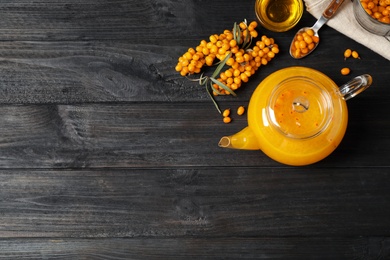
x=163 y=135
x=75 y=72
x=100 y=51
x=197 y=248
x=87 y=20
x=84 y=72
x=134 y=21
x=195 y=202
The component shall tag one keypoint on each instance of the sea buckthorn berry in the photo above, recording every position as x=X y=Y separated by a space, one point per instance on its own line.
x=302 y=44
x=227 y=120
x=236 y=73
x=221 y=51
x=178 y=67
x=213 y=39
x=385 y=19
x=253 y=24
x=260 y=44
x=196 y=56
x=347 y=53
x=244 y=77
x=242 y=25
x=209 y=60
x=240 y=59
x=240 y=110
x=271 y=54
x=230 y=61
x=214 y=49
x=226 y=112
x=191 y=68
x=237 y=79
x=345 y=71
x=254 y=34
x=188 y=55
x=233 y=43
x=248 y=73
x=310 y=32
x=355 y=54
x=229 y=73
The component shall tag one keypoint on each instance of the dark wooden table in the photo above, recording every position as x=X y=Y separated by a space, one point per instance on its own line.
x=106 y=152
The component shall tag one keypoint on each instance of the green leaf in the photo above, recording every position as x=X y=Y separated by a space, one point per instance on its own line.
x=247 y=36
x=223 y=86
x=237 y=33
x=203 y=79
x=248 y=40
x=220 y=66
x=215 y=90
x=209 y=91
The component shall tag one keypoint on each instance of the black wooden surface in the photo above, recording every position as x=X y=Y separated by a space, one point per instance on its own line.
x=107 y=153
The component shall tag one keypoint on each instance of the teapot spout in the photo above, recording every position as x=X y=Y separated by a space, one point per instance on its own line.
x=244 y=140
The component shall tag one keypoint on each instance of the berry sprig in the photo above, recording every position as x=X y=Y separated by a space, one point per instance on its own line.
x=229 y=49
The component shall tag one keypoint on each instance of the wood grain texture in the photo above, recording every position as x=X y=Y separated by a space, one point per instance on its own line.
x=158 y=135
x=197 y=203
x=75 y=72
x=82 y=72
x=106 y=152
x=123 y=61
x=93 y=20
x=219 y=248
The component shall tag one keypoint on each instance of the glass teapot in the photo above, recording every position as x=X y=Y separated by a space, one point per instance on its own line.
x=297 y=116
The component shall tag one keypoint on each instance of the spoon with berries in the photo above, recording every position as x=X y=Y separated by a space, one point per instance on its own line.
x=307 y=38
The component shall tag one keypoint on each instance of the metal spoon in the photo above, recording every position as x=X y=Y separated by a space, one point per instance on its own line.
x=326 y=15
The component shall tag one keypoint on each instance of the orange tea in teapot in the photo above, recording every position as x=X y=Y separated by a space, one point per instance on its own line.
x=299 y=108
x=297 y=116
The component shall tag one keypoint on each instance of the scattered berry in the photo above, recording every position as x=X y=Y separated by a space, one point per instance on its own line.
x=347 y=53
x=240 y=110
x=355 y=54
x=345 y=71
x=227 y=120
x=226 y=113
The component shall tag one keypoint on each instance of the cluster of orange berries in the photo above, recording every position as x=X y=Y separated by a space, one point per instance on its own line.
x=377 y=9
x=243 y=62
x=303 y=43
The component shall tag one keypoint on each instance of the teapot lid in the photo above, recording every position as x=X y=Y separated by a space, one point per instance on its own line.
x=299 y=108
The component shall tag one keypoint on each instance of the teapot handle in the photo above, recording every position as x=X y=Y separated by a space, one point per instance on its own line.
x=355 y=86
